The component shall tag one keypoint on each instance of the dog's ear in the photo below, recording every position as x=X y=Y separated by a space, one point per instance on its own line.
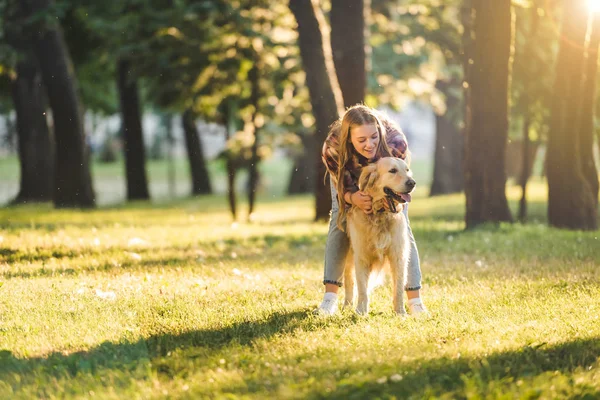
x=407 y=157
x=368 y=177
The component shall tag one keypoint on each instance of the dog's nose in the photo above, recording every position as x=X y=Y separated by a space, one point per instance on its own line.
x=411 y=183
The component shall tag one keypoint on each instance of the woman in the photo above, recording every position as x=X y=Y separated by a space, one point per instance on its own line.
x=360 y=137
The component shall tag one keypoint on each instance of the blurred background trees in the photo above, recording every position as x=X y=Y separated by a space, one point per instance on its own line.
x=486 y=92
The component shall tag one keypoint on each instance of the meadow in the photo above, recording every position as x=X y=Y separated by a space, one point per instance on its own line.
x=171 y=299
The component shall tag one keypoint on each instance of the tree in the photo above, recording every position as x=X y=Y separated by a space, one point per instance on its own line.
x=586 y=138
x=131 y=125
x=322 y=85
x=487 y=128
x=347 y=19
x=447 y=169
x=36 y=148
x=72 y=182
x=535 y=40
x=193 y=145
x=35 y=144
x=570 y=199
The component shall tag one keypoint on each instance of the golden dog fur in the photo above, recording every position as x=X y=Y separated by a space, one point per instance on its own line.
x=378 y=237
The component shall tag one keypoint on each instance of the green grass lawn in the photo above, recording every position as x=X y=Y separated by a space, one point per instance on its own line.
x=172 y=300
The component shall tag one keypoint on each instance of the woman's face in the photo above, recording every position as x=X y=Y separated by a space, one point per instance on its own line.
x=365 y=139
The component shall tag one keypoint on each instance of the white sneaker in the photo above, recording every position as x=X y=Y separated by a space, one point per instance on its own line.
x=329 y=306
x=417 y=308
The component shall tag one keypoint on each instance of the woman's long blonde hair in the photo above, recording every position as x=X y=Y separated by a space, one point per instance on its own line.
x=355 y=116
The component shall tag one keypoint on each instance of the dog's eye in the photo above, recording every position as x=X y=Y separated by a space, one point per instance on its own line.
x=393 y=171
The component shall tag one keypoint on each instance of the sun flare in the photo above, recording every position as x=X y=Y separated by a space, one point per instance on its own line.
x=594 y=5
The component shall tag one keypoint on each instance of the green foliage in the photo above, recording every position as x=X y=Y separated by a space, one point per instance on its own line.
x=414 y=43
x=535 y=48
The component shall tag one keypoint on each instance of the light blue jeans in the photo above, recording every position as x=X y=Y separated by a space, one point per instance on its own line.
x=338 y=245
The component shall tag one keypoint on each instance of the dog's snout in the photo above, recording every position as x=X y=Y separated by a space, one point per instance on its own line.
x=411 y=183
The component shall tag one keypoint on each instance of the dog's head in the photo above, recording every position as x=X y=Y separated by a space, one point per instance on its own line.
x=387 y=177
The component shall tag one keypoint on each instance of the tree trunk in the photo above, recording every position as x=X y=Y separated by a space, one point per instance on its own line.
x=586 y=134
x=254 y=160
x=72 y=180
x=525 y=168
x=525 y=105
x=193 y=144
x=36 y=148
x=231 y=110
x=303 y=172
x=448 y=161
x=348 y=48
x=570 y=200
x=487 y=134
x=167 y=123
x=135 y=153
x=322 y=85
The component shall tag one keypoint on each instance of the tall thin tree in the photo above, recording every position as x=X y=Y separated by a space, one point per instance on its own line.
x=254 y=77
x=348 y=45
x=193 y=144
x=487 y=130
x=135 y=152
x=448 y=158
x=35 y=145
x=325 y=96
x=570 y=199
x=72 y=181
x=586 y=134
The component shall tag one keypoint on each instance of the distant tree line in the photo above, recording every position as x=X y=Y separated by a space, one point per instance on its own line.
x=274 y=73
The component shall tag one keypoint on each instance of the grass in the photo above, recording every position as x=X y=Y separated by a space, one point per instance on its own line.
x=172 y=300
x=108 y=179
x=110 y=188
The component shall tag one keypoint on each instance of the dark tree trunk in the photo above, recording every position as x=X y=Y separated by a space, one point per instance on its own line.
x=570 y=199
x=487 y=134
x=193 y=144
x=322 y=85
x=254 y=160
x=525 y=168
x=526 y=151
x=231 y=109
x=72 y=180
x=135 y=153
x=586 y=134
x=448 y=161
x=36 y=148
x=167 y=122
x=348 y=48
x=303 y=172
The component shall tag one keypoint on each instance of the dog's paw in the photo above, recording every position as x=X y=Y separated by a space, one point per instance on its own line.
x=402 y=314
x=362 y=309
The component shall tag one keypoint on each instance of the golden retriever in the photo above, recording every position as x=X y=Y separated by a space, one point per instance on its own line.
x=379 y=235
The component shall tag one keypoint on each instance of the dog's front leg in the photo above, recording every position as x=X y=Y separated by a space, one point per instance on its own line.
x=349 y=281
x=398 y=265
x=362 y=283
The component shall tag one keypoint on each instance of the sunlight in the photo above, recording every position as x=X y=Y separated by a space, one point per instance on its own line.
x=594 y=5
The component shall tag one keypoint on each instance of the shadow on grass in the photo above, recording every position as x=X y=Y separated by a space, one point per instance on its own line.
x=150 y=353
x=177 y=355
x=455 y=378
x=443 y=376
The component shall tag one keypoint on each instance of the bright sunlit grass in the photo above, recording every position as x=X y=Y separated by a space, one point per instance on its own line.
x=176 y=302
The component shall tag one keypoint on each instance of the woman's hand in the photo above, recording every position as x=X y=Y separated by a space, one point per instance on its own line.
x=362 y=201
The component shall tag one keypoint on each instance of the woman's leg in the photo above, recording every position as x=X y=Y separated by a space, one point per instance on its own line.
x=413 y=278
x=336 y=249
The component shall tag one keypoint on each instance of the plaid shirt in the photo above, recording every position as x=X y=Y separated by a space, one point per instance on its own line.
x=329 y=154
